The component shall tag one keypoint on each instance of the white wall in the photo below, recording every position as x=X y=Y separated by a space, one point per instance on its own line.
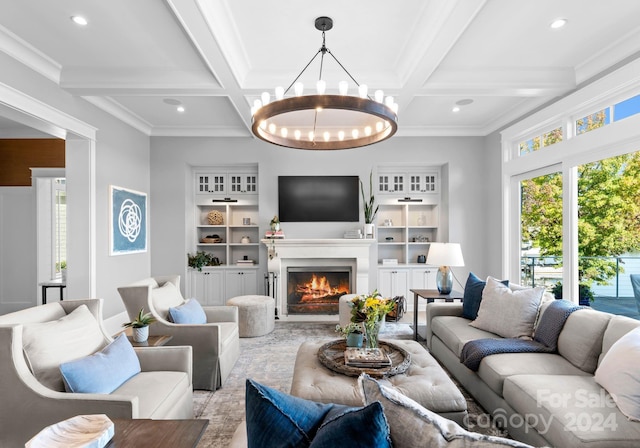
x=463 y=162
x=121 y=158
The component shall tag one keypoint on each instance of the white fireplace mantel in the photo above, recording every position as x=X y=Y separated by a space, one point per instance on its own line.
x=284 y=253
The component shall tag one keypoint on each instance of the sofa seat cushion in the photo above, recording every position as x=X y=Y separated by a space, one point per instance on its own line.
x=571 y=410
x=455 y=331
x=495 y=369
x=157 y=391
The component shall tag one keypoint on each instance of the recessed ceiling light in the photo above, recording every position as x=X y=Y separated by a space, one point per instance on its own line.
x=558 y=23
x=79 y=20
x=455 y=109
x=180 y=109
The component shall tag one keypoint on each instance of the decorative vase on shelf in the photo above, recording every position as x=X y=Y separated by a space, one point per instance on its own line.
x=369 y=230
x=140 y=334
x=371 y=330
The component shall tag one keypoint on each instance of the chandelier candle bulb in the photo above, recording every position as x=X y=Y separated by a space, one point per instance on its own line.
x=379 y=126
x=298 y=88
x=388 y=101
x=354 y=133
x=321 y=86
x=379 y=96
x=310 y=136
x=266 y=97
x=257 y=104
x=297 y=134
x=279 y=93
x=362 y=90
x=343 y=87
x=272 y=128
x=284 y=132
x=367 y=131
x=341 y=135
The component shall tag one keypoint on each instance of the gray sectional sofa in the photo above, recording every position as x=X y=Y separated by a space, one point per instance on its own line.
x=544 y=399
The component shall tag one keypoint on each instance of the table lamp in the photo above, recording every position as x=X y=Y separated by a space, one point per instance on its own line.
x=445 y=255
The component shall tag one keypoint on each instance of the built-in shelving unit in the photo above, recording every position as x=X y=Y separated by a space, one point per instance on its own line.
x=226 y=217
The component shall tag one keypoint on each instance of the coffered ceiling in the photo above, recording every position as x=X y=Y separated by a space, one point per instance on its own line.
x=140 y=59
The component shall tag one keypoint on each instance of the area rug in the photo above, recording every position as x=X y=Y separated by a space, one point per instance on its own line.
x=269 y=360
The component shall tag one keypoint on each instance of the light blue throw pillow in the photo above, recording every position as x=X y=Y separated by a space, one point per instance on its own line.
x=275 y=419
x=190 y=312
x=104 y=371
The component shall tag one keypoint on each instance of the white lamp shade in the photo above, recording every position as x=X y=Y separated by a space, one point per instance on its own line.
x=445 y=254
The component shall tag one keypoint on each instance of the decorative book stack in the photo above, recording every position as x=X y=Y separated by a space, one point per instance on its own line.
x=274 y=234
x=353 y=234
x=245 y=262
x=366 y=357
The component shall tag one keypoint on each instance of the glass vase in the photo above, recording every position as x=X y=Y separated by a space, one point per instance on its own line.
x=371 y=330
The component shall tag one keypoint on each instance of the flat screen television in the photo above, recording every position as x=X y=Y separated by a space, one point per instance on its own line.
x=318 y=199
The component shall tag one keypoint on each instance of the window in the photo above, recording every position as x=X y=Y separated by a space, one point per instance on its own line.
x=59 y=226
x=541 y=141
x=596 y=178
x=541 y=230
x=593 y=121
x=608 y=226
x=626 y=108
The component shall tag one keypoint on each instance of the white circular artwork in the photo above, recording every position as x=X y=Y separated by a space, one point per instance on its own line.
x=130 y=220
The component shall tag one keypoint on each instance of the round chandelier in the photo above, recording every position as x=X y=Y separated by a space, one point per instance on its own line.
x=324 y=121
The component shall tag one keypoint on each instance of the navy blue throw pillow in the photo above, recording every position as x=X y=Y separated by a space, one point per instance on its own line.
x=473 y=296
x=275 y=419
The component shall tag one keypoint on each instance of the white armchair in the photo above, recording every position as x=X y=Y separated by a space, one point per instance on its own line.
x=216 y=344
x=162 y=390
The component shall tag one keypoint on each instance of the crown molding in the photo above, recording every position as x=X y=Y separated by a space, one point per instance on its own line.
x=28 y=55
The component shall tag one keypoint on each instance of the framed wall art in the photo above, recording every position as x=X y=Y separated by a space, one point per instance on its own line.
x=127 y=221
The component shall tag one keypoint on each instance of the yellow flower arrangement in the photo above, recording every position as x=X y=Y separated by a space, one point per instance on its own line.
x=370 y=310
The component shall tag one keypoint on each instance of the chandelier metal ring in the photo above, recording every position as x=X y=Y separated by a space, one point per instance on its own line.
x=326 y=102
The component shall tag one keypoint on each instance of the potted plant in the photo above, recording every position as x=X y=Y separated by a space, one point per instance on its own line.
x=140 y=326
x=352 y=332
x=585 y=295
x=200 y=259
x=368 y=207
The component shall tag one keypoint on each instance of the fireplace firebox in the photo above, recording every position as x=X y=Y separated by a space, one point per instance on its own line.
x=316 y=290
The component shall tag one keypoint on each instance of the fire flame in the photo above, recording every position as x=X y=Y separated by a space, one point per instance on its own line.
x=318 y=288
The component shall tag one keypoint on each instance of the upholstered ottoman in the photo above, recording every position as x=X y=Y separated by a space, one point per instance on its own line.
x=425 y=382
x=256 y=315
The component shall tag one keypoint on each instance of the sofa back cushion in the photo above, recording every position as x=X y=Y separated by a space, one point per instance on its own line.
x=49 y=344
x=165 y=297
x=580 y=341
x=618 y=326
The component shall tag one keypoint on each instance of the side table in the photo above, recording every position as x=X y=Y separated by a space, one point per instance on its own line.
x=157 y=433
x=430 y=295
x=152 y=341
x=58 y=283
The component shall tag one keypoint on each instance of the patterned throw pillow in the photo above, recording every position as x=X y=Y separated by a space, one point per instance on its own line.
x=412 y=425
x=275 y=419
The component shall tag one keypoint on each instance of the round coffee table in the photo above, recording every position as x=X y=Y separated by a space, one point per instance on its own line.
x=331 y=355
